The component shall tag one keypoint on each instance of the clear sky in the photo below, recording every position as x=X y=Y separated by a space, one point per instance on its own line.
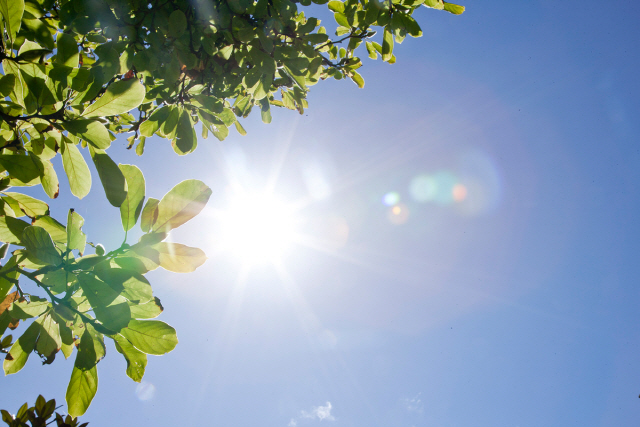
x=466 y=251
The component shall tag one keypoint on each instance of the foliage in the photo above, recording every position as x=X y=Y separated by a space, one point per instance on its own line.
x=39 y=415
x=73 y=72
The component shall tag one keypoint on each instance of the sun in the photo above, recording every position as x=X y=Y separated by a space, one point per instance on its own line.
x=258 y=228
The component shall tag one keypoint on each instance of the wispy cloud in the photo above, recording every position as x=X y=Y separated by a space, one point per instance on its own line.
x=413 y=405
x=319 y=413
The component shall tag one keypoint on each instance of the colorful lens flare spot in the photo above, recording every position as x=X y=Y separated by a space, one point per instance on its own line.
x=145 y=391
x=399 y=214
x=459 y=192
x=390 y=199
x=423 y=188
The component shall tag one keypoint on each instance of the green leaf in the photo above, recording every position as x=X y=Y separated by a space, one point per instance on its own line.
x=92 y=131
x=56 y=230
x=111 y=177
x=30 y=206
x=27 y=309
x=76 y=169
x=357 y=79
x=435 y=4
x=11 y=229
x=49 y=342
x=152 y=124
x=12 y=11
x=120 y=97
x=49 y=180
x=76 y=239
x=7 y=84
x=66 y=335
x=97 y=292
x=132 y=205
x=21 y=168
x=173 y=256
x=151 y=336
x=187 y=139
x=240 y=129
x=336 y=6
x=11 y=68
x=170 y=125
x=114 y=316
x=136 y=360
x=177 y=23
x=39 y=244
x=131 y=285
x=21 y=349
x=453 y=8
x=149 y=214
x=180 y=204
x=67 y=50
x=91 y=348
x=387 y=44
x=148 y=310
x=83 y=386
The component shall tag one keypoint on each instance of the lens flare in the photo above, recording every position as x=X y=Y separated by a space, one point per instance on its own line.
x=391 y=198
x=459 y=192
x=399 y=214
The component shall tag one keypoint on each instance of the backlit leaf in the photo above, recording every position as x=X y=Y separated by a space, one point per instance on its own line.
x=39 y=244
x=121 y=97
x=94 y=132
x=12 y=11
x=111 y=177
x=21 y=349
x=180 y=204
x=83 y=386
x=149 y=214
x=136 y=360
x=49 y=341
x=76 y=239
x=76 y=169
x=151 y=336
x=11 y=229
x=132 y=205
x=30 y=206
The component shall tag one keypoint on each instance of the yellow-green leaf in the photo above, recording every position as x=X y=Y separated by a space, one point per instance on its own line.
x=83 y=386
x=21 y=349
x=120 y=97
x=132 y=205
x=136 y=360
x=39 y=244
x=76 y=169
x=151 y=336
x=180 y=204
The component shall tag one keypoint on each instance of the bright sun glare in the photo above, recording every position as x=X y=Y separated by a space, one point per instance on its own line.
x=258 y=228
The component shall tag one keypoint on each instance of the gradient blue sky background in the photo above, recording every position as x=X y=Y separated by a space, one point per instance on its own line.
x=516 y=305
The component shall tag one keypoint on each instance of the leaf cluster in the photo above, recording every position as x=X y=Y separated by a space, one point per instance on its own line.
x=79 y=300
x=39 y=415
x=77 y=73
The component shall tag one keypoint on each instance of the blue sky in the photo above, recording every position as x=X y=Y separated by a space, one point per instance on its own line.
x=471 y=251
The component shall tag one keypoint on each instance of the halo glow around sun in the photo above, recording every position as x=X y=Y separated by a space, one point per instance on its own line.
x=258 y=228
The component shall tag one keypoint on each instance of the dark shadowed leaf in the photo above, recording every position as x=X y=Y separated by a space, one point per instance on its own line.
x=111 y=177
